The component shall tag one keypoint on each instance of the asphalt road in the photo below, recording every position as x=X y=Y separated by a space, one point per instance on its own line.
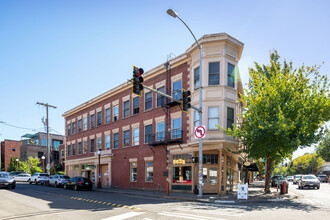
x=42 y=202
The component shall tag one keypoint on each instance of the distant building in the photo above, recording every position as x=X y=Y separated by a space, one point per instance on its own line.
x=9 y=149
x=35 y=145
x=325 y=169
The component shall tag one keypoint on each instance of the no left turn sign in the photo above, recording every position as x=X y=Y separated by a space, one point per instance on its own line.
x=200 y=132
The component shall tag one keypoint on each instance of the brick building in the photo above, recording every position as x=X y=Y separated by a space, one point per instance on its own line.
x=9 y=149
x=146 y=141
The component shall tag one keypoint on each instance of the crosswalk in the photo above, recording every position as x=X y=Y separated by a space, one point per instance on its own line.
x=193 y=212
x=314 y=202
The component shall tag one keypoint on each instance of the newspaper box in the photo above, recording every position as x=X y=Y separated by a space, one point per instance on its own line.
x=242 y=192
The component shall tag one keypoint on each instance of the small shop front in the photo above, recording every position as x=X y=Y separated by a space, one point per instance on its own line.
x=220 y=172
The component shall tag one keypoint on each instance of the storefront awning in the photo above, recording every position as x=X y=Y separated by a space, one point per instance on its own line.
x=252 y=167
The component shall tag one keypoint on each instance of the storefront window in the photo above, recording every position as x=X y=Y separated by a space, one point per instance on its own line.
x=133 y=172
x=204 y=175
x=213 y=175
x=149 y=171
x=182 y=158
x=182 y=174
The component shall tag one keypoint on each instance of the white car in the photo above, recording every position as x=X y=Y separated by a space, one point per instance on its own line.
x=289 y=178
x=23 y=177
x=41 y=178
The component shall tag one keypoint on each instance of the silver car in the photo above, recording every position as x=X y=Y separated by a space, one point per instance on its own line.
x=296 y=178
x=41 y=178
x=57 y=180
x=7 y=181
x=23 y=177
x=310 y=181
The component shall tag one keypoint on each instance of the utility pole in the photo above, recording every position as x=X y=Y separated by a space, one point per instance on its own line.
x=47 y=124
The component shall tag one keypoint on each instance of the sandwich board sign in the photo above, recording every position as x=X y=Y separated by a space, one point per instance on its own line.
x=242 y=192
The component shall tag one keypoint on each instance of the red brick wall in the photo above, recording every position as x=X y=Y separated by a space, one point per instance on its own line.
x=120 y=163
x=7 y=148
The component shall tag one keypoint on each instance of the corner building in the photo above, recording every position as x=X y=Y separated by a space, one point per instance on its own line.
x=147 y=142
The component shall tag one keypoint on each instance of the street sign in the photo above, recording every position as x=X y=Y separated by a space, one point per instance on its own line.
x=199 y=132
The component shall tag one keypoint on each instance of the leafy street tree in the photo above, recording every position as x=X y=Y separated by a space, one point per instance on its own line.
x=29 y=166
x=12 y=165
x=285 y=109
x=323 y=148
x=33 y=165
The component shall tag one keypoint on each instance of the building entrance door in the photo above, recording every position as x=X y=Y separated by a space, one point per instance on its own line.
x=210 y=179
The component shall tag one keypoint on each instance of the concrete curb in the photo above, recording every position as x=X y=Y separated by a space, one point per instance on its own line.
x=206 y=200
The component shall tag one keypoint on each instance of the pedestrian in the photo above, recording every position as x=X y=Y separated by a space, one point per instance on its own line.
x=327 y=179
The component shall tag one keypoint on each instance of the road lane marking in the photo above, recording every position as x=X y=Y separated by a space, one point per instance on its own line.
x=124 y=216
x=317 y=201
x=188 y=216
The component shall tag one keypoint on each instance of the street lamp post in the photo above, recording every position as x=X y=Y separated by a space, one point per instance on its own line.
x=17 y=163
x=43 y=163
x=200 y=155
x=99 y=185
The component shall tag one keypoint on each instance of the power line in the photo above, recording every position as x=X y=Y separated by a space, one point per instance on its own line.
x=14 y=126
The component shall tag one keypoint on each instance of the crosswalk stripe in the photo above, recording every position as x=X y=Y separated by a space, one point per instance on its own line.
x=317 y=201
x=124 y=216
x=188 y=216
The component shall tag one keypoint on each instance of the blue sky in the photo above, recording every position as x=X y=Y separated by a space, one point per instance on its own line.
x=67 y=52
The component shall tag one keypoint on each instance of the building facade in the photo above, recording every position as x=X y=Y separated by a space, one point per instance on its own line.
x=35 y=145
x=9 y=149
x=147 y=142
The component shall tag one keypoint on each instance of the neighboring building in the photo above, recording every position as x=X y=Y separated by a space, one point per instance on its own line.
x=325 y=168
x=146 y=141
x=35 y=145
x=9 y=149
x=62 y=157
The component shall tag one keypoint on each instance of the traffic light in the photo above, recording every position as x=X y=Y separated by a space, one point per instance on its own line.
x=186 y=100
x=137 y=86
x=291 y=164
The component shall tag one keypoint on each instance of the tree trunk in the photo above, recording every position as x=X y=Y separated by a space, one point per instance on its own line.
x=269 y=167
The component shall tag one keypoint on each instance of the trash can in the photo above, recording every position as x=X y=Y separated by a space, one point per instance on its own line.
x=284 y=187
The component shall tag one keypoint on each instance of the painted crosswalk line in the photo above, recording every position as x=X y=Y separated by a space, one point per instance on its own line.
x=124 y=216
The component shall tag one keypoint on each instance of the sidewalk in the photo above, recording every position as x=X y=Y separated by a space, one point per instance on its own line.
x=256 y=194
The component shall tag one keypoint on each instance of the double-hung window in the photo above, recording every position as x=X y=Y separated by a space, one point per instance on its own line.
x=68 y=150
x=126 y=138
x=115 y=113
x=214 y=73
x=99 y=143
x=79 y=125
x=136 y=136
x=148 y=134
x=92 y=120
x=126 y=109
x=79 y=148
x=176 y=128
x=99 y=118
x=148 y=101
x=133 y=172
x=107 y=116
x=231 y=75
x=73 y=149
x=68 y=129
x=160 y=98
x=177 y=87
x=213 y=117
x=136 y=105
x=196 y=78
x=115 y=141
x=92 y=146
x=85 y=147
x=73 y=127
x=230 y=117
x=196 y=119
x=107 y=142
x=149 y=171
x=160 y=133
x=85 y=124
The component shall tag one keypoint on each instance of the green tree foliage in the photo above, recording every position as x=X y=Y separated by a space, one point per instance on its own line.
x=33 y=165
x=12 y=165
x=285 y=109
x=323 y=148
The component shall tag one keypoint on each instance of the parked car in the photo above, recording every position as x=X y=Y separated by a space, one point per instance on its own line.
x=41 y=178
x=322 y=178
x=6 y=180
x=23 y=177
x=15 y=173
x=289 y=178
x=296 y=178
x=78 y=183
x=274 y=180
x=58 y=180
x=308 y=181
